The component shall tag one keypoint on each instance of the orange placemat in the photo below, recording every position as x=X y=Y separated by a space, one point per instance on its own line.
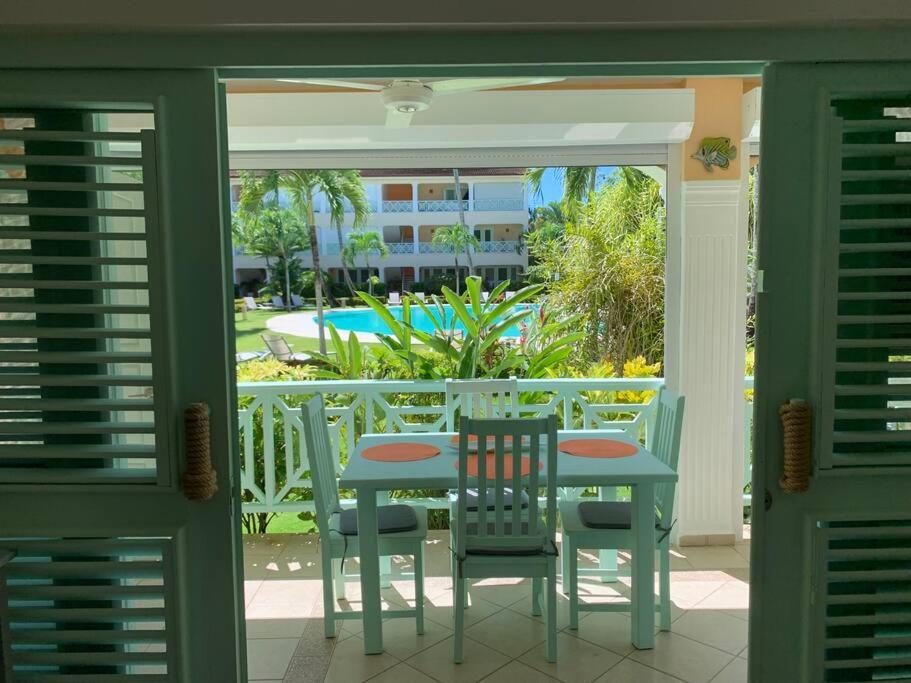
x=491 y=465
x=598 y=448
x=403 y=451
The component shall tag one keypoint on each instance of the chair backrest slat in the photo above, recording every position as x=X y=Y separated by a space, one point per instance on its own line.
x=277 y=346
x=492 y=398
x=506 y=442
x=665 y=445
x=319 y=454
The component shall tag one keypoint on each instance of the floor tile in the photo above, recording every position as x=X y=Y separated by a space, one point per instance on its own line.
x=350 y=665
x=402 y=673
x=478 y=661
x=269 y=657
x=440 y=609
x=577 y=660
x=508 y=632
x=733 y=595
x=714 y=628
x=714 y=557
x=735 y=672
x=629 y=671
x=502 y=592
x=306 y=670
x=684 y=658
x=517 y=671
x=276 y=628
x=610 y=630
x=401 y=639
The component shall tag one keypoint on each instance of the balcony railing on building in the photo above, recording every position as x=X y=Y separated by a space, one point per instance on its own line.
x=443 y=205
x=400 y=247
x=275 y=473
x=506 y=204
x=431 y=248
x=500 y=247
x=398 y=206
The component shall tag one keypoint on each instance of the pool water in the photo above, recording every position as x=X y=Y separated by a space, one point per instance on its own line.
x=367 y=320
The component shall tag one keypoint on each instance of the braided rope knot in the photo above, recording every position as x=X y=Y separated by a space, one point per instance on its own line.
x=200 y=481
x=795 y=420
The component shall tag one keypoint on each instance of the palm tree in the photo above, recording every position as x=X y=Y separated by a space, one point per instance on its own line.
x=364 y=243
x=579 y=182
x=338 y=187
x=267 y=230
x=459 y=239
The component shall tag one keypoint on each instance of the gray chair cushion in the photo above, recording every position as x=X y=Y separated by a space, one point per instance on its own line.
x=533 y=547
x=608 y=515
x=390 y=519
x=491 y=498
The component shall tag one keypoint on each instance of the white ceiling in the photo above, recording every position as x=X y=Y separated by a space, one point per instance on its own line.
x=261 y=122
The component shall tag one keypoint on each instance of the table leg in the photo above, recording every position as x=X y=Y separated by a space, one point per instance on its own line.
x=382 y=498
x=643 y=566
x=607 y=559
x=368 y=539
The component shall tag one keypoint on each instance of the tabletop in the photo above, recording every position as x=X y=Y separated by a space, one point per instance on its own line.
x=440 y=472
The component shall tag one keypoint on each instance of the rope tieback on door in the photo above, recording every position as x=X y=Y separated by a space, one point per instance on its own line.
x=795 y=422
x=200 y=482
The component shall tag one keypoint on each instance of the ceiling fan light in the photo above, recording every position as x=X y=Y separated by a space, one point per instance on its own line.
x=406 y=108
x=407 y=97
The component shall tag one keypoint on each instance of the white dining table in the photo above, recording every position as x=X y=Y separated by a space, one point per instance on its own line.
x=641 y=471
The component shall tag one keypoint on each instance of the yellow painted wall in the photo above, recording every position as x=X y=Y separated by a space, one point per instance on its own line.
x=718 y=112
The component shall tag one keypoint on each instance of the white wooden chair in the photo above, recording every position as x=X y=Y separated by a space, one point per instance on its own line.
x=395 y=298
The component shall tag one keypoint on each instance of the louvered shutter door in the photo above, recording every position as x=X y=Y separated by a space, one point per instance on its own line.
x=864 y=600
x=113 y=317
x=80 y=299
x=866 y=337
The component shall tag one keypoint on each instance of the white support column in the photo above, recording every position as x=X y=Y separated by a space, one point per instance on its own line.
x=710 y=361
x=414 y=197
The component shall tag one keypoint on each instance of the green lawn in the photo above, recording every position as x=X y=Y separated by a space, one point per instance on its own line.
x=248 y=332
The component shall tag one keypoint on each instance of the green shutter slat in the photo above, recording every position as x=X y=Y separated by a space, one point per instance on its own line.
x=30 y=259
x=67 y=160
x=67 y=186
x=76 y=452
x=71 y=309
x=94 y=636
x=76 y=404
x=28 y=210
x=27 y=331
x=87 y=658
x=92 y=615
x=69 y=235
x=854 y=150
x=77 y=427
x=76 y=380
x=82 y=475
x=102 y=592
x=875 y=199
x=16 y=282
x=74 y=357
x=69 y=135
x=93 y=570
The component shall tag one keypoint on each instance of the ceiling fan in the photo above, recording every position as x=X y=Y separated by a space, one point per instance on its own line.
x=405 y=97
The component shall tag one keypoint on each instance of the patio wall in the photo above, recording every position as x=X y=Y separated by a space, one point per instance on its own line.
x=275 y=471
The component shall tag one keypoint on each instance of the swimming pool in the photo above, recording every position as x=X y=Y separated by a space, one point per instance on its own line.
x=367 y=320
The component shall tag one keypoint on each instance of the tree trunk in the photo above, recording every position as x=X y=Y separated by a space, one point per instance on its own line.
x=457 y=278
x=287 y=283
x=458 y=191
x=369 y=275
x=348 y=282
x=317 y=275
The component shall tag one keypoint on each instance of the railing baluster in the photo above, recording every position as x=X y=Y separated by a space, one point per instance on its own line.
x=269 y=450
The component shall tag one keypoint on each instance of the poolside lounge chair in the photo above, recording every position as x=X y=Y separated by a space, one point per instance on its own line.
x=508 y=294
x=278 y=302
x=485 y=296
x=280 y=349
x=246 y=356
x=421 y=296
x=251 y=304
x=296 y=301
x=395 y=298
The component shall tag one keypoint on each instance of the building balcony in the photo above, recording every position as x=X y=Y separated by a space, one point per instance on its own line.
x=505 y=204
x=501 y=247
x=400 y=247
x=397 y=206
x=442 y=205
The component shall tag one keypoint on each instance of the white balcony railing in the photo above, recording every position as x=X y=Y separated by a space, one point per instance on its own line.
x=503 y=247
x=275 y=474
x=398 y=206
x=400 y=247
x=505 y=204
x=443 y=205
x=431 y=248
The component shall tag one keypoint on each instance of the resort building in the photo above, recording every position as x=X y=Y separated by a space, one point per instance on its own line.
x=407 y=206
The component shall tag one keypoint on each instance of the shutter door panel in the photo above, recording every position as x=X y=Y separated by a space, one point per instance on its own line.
x=866 y=409
x=864 y=594
x=91 y=609
x=80 y=316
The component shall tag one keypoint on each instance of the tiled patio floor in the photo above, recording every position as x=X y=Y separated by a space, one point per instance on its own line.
x=709 y=589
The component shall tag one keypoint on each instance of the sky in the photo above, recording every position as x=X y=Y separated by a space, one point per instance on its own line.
x=552 y=186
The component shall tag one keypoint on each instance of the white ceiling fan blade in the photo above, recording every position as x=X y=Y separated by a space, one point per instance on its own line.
x=397 y=119
x=354 y=85
x=455 y=85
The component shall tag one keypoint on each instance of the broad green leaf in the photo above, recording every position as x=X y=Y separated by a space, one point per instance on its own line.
x=497 y=331
x=354 y=355
x=459 y=308
x=473 y=290
x=339 y=346
x=383 y=312
x=522 y=295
